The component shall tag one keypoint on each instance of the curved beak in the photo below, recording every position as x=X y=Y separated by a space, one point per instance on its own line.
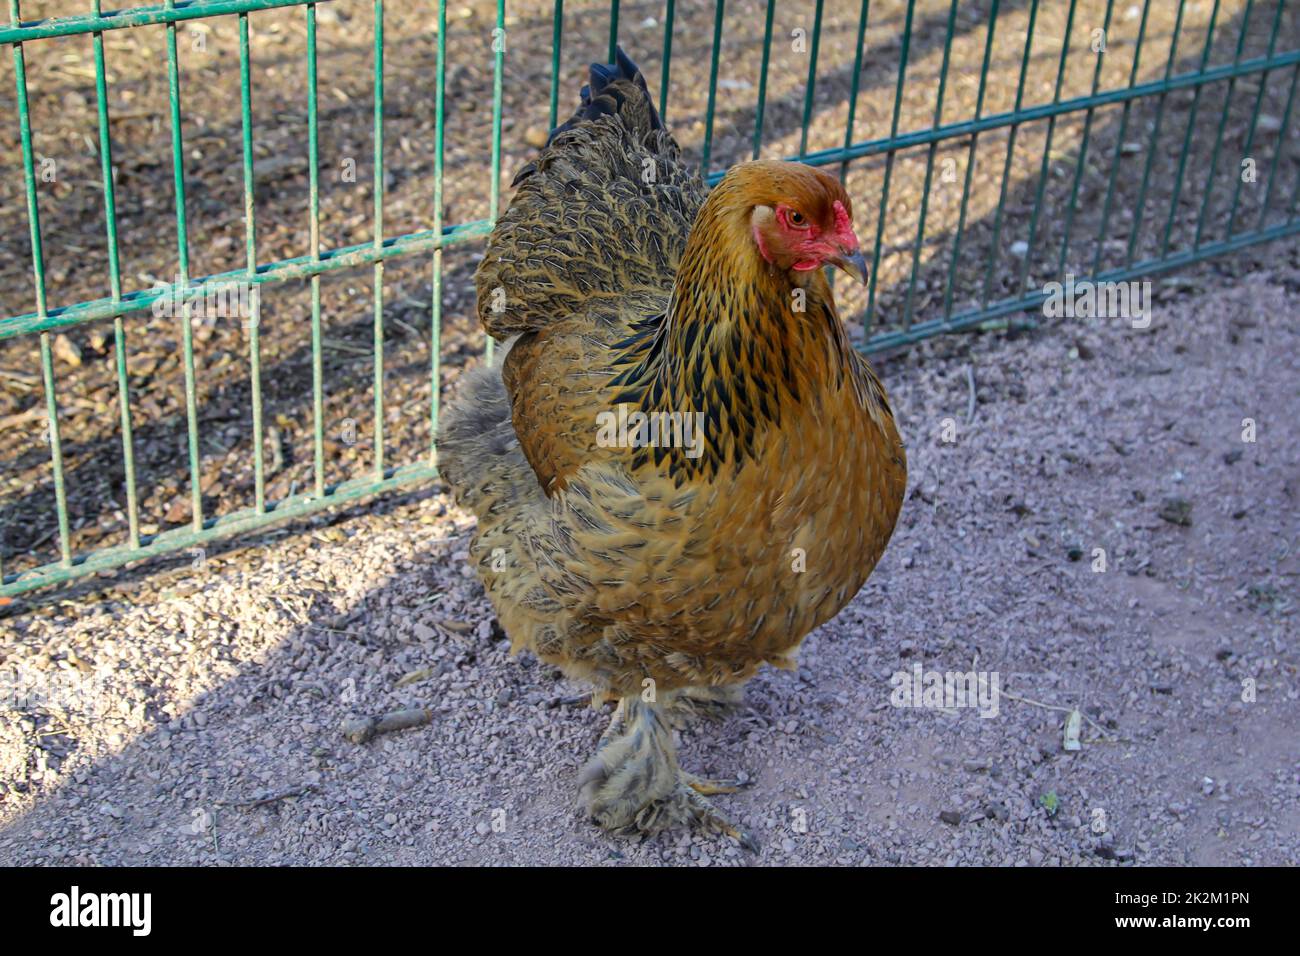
x=853 y=263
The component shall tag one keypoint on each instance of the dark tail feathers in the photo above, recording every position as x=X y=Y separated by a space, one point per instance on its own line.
x=615 y=89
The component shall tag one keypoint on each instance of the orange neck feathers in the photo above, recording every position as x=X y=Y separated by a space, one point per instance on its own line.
x=740 y=342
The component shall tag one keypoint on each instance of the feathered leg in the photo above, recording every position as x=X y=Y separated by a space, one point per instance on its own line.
x=634 y=786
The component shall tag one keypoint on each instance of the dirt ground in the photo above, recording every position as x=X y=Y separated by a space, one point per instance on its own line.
x=190 y=712
x=215 y=689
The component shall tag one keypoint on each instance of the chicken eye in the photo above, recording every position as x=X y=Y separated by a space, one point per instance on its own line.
x=797 y=219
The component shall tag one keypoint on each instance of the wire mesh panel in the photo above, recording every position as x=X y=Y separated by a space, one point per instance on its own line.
x=238 y=235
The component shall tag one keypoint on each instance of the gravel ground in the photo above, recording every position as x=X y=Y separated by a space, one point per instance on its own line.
x=208 y=727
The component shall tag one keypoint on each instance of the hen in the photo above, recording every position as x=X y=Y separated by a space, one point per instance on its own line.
x=682 y=466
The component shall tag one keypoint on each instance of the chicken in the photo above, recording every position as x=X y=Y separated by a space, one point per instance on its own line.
x=682 y=466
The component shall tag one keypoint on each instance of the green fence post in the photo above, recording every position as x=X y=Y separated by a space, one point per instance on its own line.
x=889 y=164
x=1082 y=162
x=250 y=252
x=38 y=276
x=854 y=84
x=313 y=202
x=970 y=163
x=439 y=119
x=761 y=106
x=995 y=247
x=1045 y=168
x=929 y=167
x=1277 y=153
x=1119 y=141
x=1191 y=128
x=810 y=88
x=499 y=50
x=1254 y=114
x=713 y=86
x=183 y=280
x=1140 y=206
x=115 y=284
x=379 y=238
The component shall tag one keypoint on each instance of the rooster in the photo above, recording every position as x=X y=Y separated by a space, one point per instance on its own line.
x=682 y=466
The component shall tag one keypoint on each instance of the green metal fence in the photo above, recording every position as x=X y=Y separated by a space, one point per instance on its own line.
x=940 y=250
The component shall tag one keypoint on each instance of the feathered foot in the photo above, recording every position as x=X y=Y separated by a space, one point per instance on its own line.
x=633 y=786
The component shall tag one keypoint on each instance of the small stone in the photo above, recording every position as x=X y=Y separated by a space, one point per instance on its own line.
x=67 y=350
x=1268 y=124
x=1176 y=511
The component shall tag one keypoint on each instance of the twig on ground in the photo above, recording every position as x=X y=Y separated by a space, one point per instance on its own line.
x=970 y=401
x=273 y=798
x=21 y=418
x=414 y=677
x=359 y=730
x=1065 y=710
